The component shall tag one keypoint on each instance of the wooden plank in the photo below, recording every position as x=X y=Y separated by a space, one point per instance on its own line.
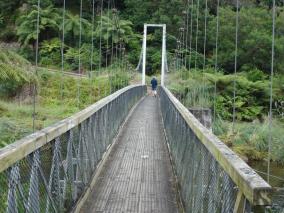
x=240 y=203
x=137 y=176
x=23 y=147
x=101 y=166
x=255 y=189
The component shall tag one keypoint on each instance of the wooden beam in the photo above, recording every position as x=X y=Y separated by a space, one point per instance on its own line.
x=240 y=203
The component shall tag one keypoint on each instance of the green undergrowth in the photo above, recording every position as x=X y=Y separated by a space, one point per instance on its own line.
x=15 y=73
x=250 y=137
x=196 y=88
x=53 y=103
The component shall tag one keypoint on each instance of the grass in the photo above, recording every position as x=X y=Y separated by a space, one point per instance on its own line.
x=54 y=104
x=250 y=136
x=250 y=139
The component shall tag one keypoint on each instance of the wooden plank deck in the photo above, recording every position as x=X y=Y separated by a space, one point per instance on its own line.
x=137 y=176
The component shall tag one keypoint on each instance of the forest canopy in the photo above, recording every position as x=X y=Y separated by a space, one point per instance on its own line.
x=126 y=25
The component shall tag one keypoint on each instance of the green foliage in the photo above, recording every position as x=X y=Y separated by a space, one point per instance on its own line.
x=72 y=57
x=7 y=6
x=8 y=34
x=55 y=104
x=10 y=131
x=72 y=28
x=153 y=60
x=251 y=139
x=251 y=97
x=27 y=24
x=45 y=3
x=196 y=89
x=50 y=52
x=254 y=48
x=15 y=72
x=197 y=58
x=1 y=20
x=147 y=11
x=192 y=88
x=114 y=29
x=118 y=80
x=255 y=75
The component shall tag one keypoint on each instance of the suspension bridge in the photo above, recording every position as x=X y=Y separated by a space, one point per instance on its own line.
x=131 y=152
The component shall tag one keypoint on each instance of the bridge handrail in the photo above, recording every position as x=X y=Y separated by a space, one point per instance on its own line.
x=253 y=187
x=16 y=151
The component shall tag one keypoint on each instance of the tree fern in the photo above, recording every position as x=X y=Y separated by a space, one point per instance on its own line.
x=14 y=70
x=27 y=29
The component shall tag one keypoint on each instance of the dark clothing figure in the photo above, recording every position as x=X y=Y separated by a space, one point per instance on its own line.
x=154 y=83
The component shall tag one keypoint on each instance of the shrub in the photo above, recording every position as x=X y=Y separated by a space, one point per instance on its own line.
x=118 y=80
x=50 y=52
x=15 y=73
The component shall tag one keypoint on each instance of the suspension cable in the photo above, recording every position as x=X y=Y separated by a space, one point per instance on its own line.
x=235 y=68
x=107 y=45
x=101 y=28
x=92 y=49
x=107 y=42
x=204 y=56
x=186 y=37
x=93 y=29
x=62 y=50
x=112 y=33
x=181 y=45
x=271 y=90
x=116 y=45
x=120 y=48
x=216 y=59
x=205 y=35
x=196 y=37
x=190 y=41
x=80 y=64
x=36 y=64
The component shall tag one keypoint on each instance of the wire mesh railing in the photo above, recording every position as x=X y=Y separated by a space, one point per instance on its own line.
x=50 y=170
x=212 y=178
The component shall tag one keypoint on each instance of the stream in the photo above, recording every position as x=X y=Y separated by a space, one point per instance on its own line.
x=276 y=181
x=276 y=171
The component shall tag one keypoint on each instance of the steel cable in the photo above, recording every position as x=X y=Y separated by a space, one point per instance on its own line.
x=271 y=90
x=204 y=59
x=216 y=58
x=36 y=64
x=235 y=66
x=186 y=37
x=190 y=41
x=62 y=51
x=196 y=34
x=79 y=56
x=92 y=48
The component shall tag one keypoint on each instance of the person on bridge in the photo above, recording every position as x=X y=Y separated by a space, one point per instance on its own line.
x=154 y=84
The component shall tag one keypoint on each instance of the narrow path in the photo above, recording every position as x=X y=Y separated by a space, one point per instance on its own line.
x=137 y=176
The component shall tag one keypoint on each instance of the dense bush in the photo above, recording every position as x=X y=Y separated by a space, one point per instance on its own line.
x=252 y=98
x=196 y=89
x=251 y=139
x=254 y=47
x=50 y=52
x=72 y=58
x=15 y=73
x=118 y=80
